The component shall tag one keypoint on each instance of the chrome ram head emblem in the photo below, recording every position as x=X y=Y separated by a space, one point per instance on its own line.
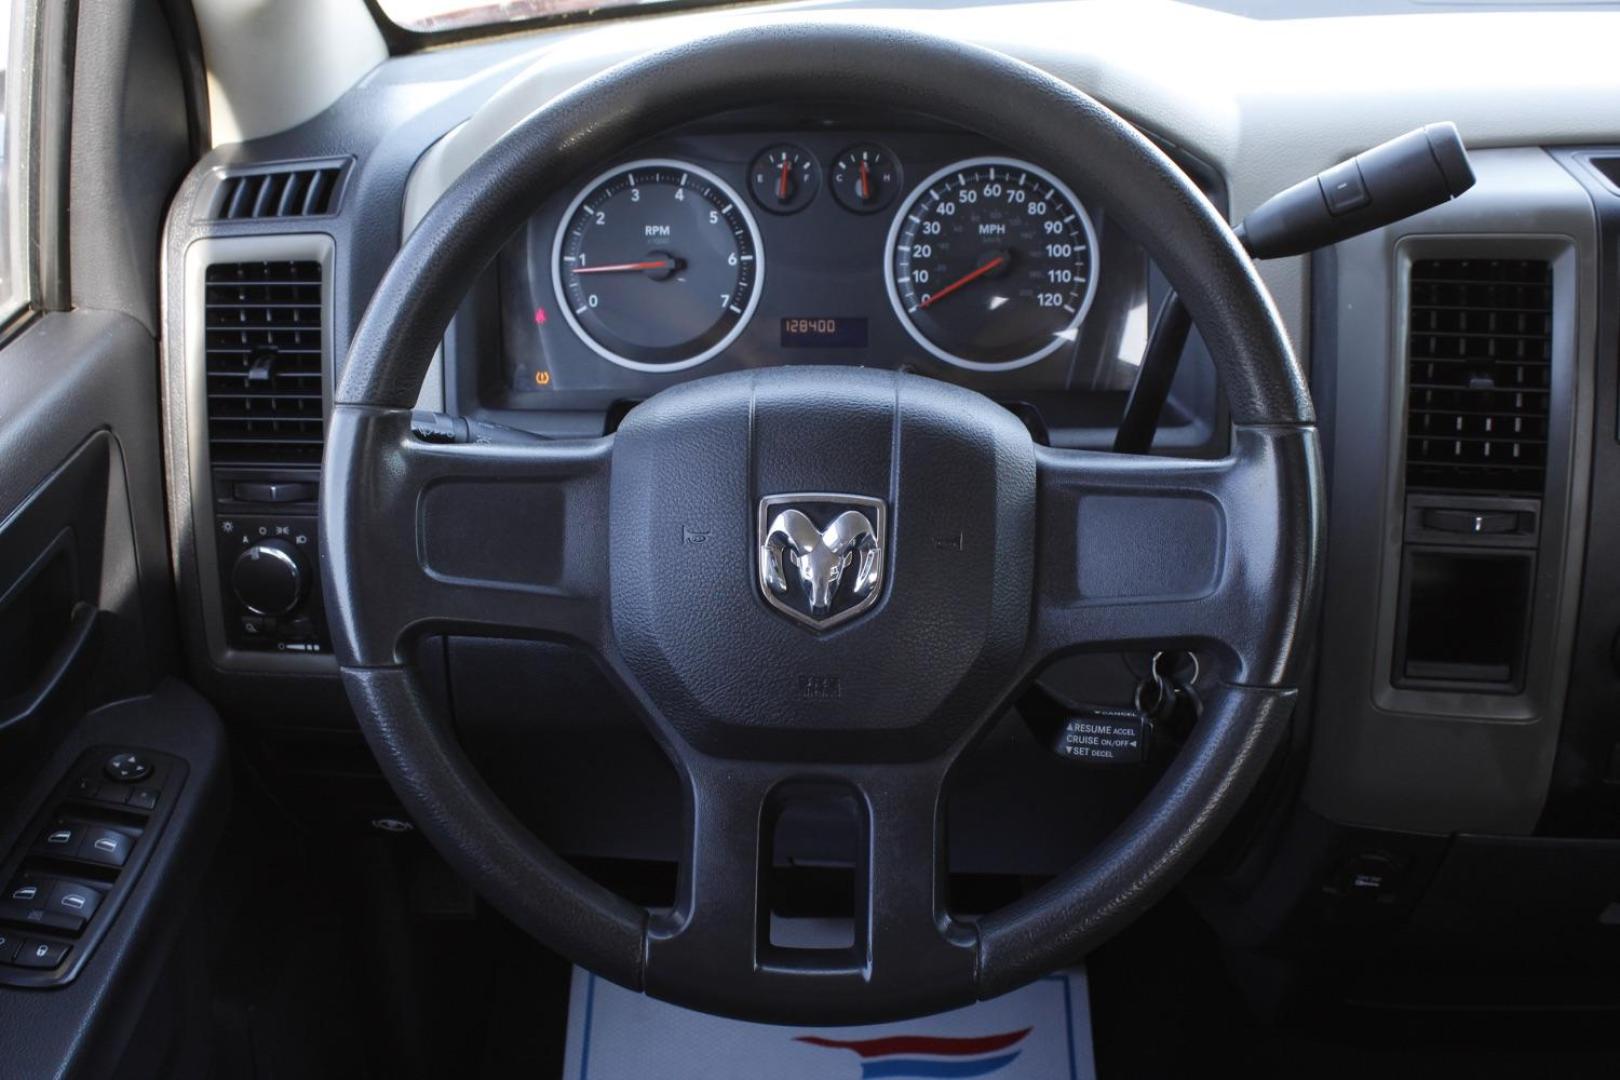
x=820 y=574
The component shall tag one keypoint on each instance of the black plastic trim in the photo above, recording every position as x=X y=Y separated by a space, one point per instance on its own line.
x=55 y=51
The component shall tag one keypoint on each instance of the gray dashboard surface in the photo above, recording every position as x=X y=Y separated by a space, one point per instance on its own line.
x=1430 y=760
x=1263 y=100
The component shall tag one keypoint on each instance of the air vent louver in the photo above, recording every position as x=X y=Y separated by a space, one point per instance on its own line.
x=304 y=191
x=263 y=356
x=1479 y=368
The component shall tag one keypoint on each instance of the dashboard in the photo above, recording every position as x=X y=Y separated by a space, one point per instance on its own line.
x=827 y=274
x=761 y=240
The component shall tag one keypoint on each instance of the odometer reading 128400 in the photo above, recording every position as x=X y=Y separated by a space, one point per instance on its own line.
x=992 y=264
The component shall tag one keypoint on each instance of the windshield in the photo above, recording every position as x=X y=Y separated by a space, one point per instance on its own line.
x=433 y=16
x=440 y=16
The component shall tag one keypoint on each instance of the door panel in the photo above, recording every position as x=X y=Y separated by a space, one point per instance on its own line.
x=51 y=551
x=86 y=620
x=84 y=575
x=88 y=639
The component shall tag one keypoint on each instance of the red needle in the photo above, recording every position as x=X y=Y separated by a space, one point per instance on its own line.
x=617 y=268
x=782 y=181
x=963 y=280
x=865 y=191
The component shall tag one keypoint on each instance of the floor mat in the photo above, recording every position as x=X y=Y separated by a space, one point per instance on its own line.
x=1041 y=1032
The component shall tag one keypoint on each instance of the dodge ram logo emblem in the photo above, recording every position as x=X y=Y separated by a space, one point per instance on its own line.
x=821 y=556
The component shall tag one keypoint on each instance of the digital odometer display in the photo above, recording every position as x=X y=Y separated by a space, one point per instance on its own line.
x=823 y=332
x=992 y=264
x=658 y=265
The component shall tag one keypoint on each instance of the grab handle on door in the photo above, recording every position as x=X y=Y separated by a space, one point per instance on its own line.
x=63 y=669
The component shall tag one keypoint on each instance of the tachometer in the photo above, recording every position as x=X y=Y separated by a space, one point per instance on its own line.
x=992 y=264
x=658 y=265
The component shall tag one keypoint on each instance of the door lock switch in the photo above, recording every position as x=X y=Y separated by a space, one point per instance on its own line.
x=41 y=954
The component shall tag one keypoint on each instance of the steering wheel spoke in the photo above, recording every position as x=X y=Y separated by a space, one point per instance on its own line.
x=470 y=539
x=1141 y=552
x=906 y=871
x=718 y=945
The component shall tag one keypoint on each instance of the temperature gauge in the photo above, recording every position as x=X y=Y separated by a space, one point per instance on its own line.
x=784 y=179
x=866 y=178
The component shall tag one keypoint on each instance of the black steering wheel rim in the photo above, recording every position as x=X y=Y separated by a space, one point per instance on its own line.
x=1258 y=514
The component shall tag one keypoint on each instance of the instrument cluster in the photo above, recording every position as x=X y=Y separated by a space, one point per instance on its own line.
x=825 y=244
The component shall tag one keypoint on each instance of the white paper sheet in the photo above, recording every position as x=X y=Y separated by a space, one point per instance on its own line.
x=1041 y=1032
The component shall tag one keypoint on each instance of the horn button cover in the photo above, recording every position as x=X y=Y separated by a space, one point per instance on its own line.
x=743 y=666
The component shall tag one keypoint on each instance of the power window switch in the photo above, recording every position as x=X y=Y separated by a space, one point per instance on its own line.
x=26 y=893
x=61 y=840
x=59 y=905
x=9 y=944
x=73 y=900
x=109 y=847
x=41 y=954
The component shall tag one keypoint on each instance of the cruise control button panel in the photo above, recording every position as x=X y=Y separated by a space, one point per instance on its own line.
x=63 y=885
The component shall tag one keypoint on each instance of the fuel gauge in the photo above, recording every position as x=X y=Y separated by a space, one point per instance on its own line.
x=865 y=178
x=784 y=178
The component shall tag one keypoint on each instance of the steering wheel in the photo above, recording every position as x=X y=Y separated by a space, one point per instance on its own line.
x=997 y=556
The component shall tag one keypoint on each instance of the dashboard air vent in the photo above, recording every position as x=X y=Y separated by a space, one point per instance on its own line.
x=291 y=192
x=263 y=355
x=1479 y=368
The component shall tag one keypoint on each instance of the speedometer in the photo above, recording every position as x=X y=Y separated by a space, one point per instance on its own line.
x=658 y=265
x=992 y=264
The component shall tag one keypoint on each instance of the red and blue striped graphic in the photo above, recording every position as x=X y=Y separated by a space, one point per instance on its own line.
x=928 y=1057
